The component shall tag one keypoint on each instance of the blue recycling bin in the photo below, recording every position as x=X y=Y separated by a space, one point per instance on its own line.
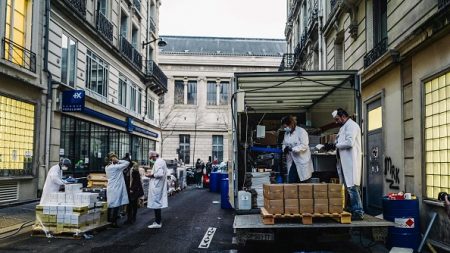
x=224 y=198
x=222 y=175
x=214 y=182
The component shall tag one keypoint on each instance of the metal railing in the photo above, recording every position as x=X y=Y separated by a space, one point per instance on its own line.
x=130 y=52
x=137 y=5
x=333 y=4
x=375 y=53
x=79 y=6
x=19 y=55
x=104 y=26
x=152 y=25
x=443 y=4
x=152 y=70
x=287 y=62
x=137 y=58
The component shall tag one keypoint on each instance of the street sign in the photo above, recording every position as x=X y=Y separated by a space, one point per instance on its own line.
x=73 y=101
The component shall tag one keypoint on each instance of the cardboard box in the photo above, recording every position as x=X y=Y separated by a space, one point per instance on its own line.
x=290 y=191
x=320 y=191
x=335 y=191
x=291 y=206
x=306 y=205
x=320 y=205
x=335 y=205
x=305 y=191
x=273 y=191
x=274 y=206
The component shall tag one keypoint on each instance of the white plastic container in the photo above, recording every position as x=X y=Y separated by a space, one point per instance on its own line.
x=244 y=200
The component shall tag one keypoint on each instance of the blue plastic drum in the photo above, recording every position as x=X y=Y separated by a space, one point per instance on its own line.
x=405 y=214
x=222 y=176
x=224 y=198
x=214 y=182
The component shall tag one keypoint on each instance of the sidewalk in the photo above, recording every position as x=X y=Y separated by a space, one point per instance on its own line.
x=12 y=218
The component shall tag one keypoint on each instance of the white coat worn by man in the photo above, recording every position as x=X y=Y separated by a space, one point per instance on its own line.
x=348 y=147
x=298 y=155
x=157 y=192
x=116 y=191
x=54 y=181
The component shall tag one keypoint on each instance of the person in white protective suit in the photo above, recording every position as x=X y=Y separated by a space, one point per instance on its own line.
x=157 y=191
x=116 y=191
x=348 y=150
x=54 y=181
x=296 y=148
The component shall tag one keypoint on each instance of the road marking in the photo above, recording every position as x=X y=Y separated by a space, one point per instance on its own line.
x=206 y=241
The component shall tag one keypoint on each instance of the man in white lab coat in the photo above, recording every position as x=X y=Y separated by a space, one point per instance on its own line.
x=54 y=181
x=348 y=149
x=116 y=191
x=157 y=192
x=296 y=148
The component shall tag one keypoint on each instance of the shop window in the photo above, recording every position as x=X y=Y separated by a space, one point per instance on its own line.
x=184 y=149
x=179 y=92
x=212 y=93
x=217 y=147
x=124 y=144
x=96 y=74
x=16 y=137
x=68 y=60
x=98 y=147
x=437 y=135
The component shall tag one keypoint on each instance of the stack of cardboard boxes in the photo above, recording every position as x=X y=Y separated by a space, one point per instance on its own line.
x=303 y=198
x=71 y=211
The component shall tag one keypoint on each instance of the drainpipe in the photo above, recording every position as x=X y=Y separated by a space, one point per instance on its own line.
x=49 y=88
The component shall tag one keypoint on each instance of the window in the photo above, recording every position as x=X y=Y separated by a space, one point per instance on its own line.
x=224 y=93
x=103 y=7
x=68 y=60
x=380 y=20
x=96 y=74
x=151 y=109
x=437 y=135
x=184 y=150
x=133 y=98
x=211 y=93
x=16 y=28
x=98 y=145
x=179 y=92
x=124 y=25
x=134 y=37
x=17 y=121
x=139 y=101
x=192 y=93
x=123 y=91
x=217 y=147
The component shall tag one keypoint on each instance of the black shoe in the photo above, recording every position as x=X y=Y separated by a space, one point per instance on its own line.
x=357 y=217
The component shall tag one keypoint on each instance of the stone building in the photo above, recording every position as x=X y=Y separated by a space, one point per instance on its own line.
x=195 y=112
x=400 y=49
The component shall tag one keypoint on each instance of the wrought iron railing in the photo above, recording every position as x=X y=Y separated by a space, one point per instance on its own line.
x=313 y=11
x=333 y=4
x=152 y=25
x=137 y=58
x=137 y=5
x=19 y=55
x=79 y=6
x=152 y=70
x=375 y=53
x=126 y=48
x=104 y=26
x=287 y=62
x=443 y=4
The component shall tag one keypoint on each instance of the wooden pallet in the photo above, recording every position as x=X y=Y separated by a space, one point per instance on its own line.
x=37 y=231
x=306 y=218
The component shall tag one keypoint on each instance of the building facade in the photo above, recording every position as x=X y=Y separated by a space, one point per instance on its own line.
x=400 y=49
x=22 y=100
x=196 y=112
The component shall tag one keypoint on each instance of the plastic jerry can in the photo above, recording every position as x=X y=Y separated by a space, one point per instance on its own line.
x=244 y=200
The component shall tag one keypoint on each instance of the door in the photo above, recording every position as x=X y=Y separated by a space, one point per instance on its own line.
x=375 y=154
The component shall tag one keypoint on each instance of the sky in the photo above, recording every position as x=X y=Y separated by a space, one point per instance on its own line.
x=223 y=18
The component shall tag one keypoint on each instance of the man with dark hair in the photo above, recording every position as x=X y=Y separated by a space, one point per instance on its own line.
x=348 y=150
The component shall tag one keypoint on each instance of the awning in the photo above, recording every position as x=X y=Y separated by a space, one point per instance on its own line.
x=293 y=91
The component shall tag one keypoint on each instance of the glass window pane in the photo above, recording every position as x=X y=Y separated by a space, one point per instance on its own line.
x=224 y=92
x=64 y=57
x=179 y=92
x=192 y=93
x=211 y=93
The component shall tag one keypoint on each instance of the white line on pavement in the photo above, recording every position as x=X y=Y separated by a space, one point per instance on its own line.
x=206 y=241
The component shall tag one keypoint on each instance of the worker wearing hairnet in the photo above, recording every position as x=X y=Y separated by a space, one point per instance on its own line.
x=116 y=191
x=54 y=181
x=157 y=192
x=348 y=150
x=296 y=148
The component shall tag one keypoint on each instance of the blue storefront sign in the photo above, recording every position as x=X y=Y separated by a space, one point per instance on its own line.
x=73 y=101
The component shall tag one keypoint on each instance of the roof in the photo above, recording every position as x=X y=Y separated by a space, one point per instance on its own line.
x=294 y=91
x=223 y=46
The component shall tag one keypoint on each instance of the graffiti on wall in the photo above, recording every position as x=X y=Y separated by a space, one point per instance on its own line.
x=391 y=172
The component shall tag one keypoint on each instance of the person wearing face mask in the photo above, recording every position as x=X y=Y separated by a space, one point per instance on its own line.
x=54 y=181
x=348 y=150
x=116 y=191
x=157 y=191
x=296 y=148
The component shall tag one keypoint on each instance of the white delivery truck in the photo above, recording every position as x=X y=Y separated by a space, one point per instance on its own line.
x=259 y=101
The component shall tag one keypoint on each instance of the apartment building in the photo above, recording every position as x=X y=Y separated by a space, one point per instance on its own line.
x=196 y=111
x=400 y=49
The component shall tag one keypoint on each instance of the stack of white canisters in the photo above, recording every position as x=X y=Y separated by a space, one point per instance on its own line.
x=258 y=180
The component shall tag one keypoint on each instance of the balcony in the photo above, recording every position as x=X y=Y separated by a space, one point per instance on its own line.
x=313 y=12
x=375 y=53
x=104 y=26
x=18 y=55
x=287 y=63
x=137 y=58
x=442 y=4
x=130 y=52
x=79 y=6
x=155 y=77
x=152 y=26
x=137 y=5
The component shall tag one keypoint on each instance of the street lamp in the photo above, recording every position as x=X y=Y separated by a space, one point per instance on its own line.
x=161 y=42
